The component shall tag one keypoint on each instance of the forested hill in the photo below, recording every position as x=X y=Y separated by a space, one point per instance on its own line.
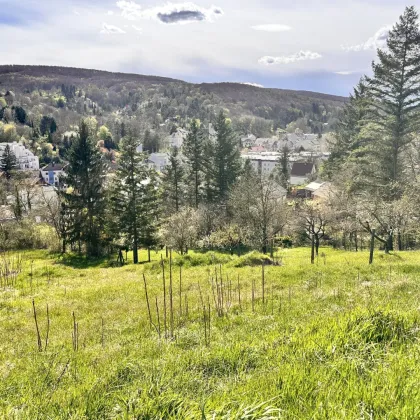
x=152 y=103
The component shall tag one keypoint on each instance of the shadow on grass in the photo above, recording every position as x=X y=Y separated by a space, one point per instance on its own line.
x=83 y=262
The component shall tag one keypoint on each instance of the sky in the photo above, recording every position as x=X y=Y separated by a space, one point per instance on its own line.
x=319 y=45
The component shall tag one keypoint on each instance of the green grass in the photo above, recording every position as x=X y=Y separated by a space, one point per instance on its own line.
x=336 y=340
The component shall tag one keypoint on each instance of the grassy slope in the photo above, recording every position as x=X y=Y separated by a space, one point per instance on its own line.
x=336 y=340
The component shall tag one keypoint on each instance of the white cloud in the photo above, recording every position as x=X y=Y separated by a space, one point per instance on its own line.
x=252 y=84
x=300 y=56
x=272 y=28
x=110 y=13
x=376 y=41
x=347 y=72
x=136 y=28
x=111 y=29
x=170 y=13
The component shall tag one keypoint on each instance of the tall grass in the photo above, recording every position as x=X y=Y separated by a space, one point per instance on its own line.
x=339 y=339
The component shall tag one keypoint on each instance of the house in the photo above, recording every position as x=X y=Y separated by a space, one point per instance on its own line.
x=158 y=161
x=25 y=158
x=300 y=172
x=53 y=174
x=248 y=141
x=177 y=138
x=263 y=163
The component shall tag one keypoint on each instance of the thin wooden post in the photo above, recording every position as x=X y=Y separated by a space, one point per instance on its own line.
x=165 y=325
x=171 y=301
x=37 y=328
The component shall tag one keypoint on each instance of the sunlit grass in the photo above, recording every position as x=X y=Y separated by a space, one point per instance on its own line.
x=338 y=339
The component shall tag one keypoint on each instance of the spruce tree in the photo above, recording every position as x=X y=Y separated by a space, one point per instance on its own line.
x=395 y=88
x=193 y=149
x=8 y=162
x=173 y=183
x=85 y=198
x=227 y=165
x=351 y=140
x=133 y=197
x=283 y=168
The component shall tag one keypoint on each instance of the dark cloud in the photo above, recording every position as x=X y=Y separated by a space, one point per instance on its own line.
x=181 y=16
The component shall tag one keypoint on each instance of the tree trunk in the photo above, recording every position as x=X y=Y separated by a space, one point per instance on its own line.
x=148 y=254
x=135 y=251
x=313 y=250
x=316 y=245
x=372 y=246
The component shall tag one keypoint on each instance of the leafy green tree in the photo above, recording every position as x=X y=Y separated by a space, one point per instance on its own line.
x=227 y=165
x=8 y=162
x=85 y=198
x=134 y=197
x=193 y=149
x=173 y=183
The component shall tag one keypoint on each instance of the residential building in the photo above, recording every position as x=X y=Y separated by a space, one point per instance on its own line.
x=177 y=138
x=53 y=174
x=27 y=161
x=158 y=161
x=300 y=172
x=263 y=163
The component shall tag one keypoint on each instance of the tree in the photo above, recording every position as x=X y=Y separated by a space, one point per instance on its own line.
x=350 y=141
x=180 y=231
x=133 y=197
x=173 y=183
x=395 y=88
x=8 y=162
x=314 y=216
x=227 y=165
x=257 y=205
x=85 y=198
x=283 y=168
x=193 y=149
x=151 y=142
x=20 y=114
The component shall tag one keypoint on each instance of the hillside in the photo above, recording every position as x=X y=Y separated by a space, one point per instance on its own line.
x=48 y=102
x=339 y=339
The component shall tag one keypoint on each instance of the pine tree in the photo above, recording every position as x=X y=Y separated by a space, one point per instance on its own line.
x=350 y=140
x=173 y=183
x=395 y=88
x=227 y=165
x=283 y=168
x=193 y=149
x=133 y=197
x=85 y=199
x=8 y=162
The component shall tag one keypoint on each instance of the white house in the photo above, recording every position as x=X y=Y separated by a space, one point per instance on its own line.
x=53 y=174
x=158 y=161
x=263 y=163
x=27 y=161
x=177 y=138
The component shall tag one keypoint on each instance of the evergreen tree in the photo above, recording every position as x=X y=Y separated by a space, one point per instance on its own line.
x=134 y=197
x=351 y=140
x=395 y=88
x=85 y=199
x=193 y=149
x=283 y=168
x=227 y=165
x=8 y=162
x=173 y=183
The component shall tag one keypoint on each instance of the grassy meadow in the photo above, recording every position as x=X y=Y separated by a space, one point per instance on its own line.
x=334 y=340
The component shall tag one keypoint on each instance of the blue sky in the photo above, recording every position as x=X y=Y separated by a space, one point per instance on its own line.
x=322 y=45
